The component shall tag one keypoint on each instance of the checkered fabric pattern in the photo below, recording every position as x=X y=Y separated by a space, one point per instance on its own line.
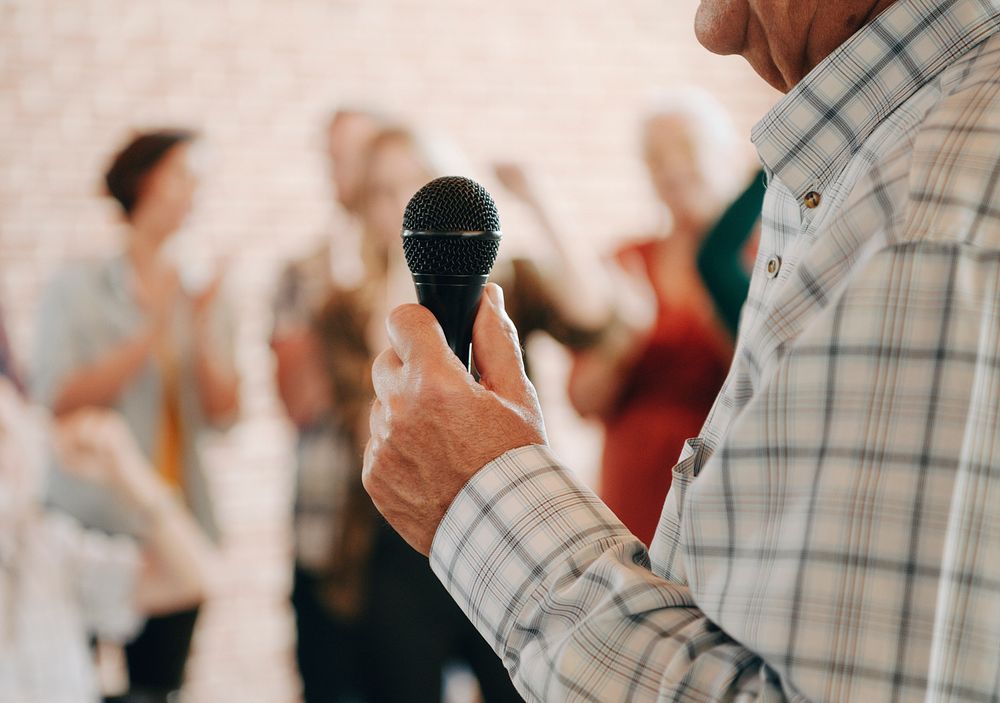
x=834 y=533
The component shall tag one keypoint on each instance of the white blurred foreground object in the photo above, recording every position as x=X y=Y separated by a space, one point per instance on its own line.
x=59 y=583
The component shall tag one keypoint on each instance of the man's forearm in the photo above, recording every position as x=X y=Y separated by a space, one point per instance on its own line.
x=565 y=594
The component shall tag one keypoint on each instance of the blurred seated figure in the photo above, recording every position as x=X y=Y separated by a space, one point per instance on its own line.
x=652 y=388
x=136 y=333
x=61 y=583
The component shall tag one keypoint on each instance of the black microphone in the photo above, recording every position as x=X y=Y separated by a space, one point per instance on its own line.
x=451 y=236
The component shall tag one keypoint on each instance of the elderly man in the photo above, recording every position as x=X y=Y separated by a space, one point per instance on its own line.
x=833 y=533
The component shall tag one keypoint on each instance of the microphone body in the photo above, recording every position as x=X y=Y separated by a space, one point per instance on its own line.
x=454 y=301
x=451 y=236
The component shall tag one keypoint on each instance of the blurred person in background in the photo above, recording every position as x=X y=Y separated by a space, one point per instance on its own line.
x=406 y=628
x=327 y=621
x=326 y=329
x=126 y=333
x=653 y=388
x=61 y=583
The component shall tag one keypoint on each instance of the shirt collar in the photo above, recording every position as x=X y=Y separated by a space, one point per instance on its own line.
x=808 y=137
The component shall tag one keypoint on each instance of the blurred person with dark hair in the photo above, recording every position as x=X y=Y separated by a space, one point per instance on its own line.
x=61 y=583
x=653 y=388
x=326 y=619
x=125 y=333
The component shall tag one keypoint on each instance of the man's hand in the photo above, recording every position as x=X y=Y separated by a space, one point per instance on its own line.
x=432 y=426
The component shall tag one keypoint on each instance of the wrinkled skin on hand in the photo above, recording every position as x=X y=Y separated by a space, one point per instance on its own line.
x=432 y=425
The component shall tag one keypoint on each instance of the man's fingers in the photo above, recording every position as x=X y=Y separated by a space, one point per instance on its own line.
x=387 y=371
x=415 y=333
x=496 y=348
x=374 y=419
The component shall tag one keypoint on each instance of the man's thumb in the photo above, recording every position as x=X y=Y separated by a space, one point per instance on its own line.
x=496 y=349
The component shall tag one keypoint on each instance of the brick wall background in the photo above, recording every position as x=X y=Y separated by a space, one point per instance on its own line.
x=558 y=85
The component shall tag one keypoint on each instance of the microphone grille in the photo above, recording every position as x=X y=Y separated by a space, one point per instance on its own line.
x=451 y=255
x=451 y=204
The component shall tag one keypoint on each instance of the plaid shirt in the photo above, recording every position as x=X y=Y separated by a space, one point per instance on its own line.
x=834 y=533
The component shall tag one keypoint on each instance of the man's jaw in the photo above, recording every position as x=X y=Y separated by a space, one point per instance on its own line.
x=721 y=25
x=730 y=27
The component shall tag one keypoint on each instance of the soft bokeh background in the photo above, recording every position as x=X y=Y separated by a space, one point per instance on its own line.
x=557 y=85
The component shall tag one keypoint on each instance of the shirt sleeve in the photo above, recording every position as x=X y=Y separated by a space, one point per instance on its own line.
x=105 y=571
x=565 y=595
x=56 y=352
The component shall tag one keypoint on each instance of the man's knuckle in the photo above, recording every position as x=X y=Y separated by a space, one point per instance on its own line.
x=403 y=316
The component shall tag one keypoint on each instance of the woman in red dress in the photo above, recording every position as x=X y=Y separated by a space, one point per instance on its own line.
x=652 y=385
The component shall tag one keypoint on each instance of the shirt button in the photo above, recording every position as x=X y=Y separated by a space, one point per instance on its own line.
x=773 y=266
x=812 y=199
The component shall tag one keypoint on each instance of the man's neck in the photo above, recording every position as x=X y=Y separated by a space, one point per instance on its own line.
x=832 y=29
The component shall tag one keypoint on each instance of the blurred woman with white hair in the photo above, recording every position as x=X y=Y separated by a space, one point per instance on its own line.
x=653 y=385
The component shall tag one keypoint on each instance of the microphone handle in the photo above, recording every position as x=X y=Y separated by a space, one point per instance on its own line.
x=454 y=301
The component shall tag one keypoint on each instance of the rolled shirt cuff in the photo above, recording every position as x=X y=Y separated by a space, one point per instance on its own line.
x=520 y=515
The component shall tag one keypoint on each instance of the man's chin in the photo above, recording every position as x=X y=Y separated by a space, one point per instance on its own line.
x=721 y=25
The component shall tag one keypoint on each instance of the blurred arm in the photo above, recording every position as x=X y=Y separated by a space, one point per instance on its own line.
x=63 y=377
x=581 y=295
x=299 y=373
x=100 y=383
x=179 y=562
x=218 y=382
x=598 y=374
x=302 y=384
